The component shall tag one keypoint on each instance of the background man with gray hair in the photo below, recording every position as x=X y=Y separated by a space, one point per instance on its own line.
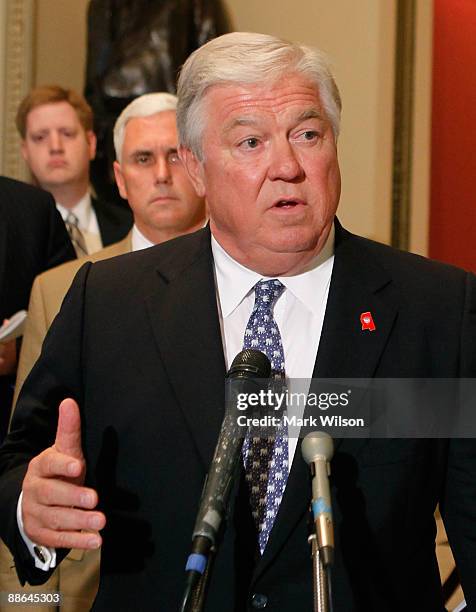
x=258 y=120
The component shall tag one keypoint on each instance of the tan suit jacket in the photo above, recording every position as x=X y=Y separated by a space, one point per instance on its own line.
x=46 y=297
x=77 y=577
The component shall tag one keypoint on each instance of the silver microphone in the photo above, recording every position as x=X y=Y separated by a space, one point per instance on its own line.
x=317 y=451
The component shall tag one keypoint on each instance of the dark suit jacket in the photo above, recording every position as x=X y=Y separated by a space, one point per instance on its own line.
x=114 y=221
x=138 y=344
x=32 y=239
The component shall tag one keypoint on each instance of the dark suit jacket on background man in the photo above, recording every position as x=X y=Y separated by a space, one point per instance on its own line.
x=32 y=239
x=149 y=339
x=114 y=221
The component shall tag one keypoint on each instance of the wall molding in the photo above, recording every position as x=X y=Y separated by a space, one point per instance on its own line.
x=18 y=49
x=403 y=123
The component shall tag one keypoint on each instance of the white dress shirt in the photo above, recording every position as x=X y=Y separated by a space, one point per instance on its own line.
x=299 y=313
x=139 y=241
x=87 y=221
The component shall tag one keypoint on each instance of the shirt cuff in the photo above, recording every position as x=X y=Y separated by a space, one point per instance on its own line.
x=45 y=558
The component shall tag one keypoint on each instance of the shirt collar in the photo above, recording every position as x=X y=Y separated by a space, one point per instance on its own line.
x=139 y=241
x=82 y=210
x=234 y=281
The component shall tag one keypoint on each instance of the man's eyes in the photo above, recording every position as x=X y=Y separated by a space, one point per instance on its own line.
x=143 y=159
x=173 y=158
x=308 y=136
x=249 y=143
x=65 y=133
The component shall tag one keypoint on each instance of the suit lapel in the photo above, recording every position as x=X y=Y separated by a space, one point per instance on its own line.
x=102 y=223
x=105 y=224
x=358 y=285
x=184 y=317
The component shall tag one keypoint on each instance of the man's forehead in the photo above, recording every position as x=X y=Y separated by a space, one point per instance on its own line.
x=149 y=137
x=53 y=115
x=241 y=102
x=161 y=127
x=162 y=118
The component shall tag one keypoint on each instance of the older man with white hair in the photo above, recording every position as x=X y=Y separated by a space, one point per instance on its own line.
x=151 y=336
x=152 y=178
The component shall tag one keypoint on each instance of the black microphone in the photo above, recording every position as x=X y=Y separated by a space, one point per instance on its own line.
x=317 y=450
x=247 y=366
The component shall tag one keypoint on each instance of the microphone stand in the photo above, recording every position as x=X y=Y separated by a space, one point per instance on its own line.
x=248 y=367
x=317 y=449
x=321 y=579
x=194 y=596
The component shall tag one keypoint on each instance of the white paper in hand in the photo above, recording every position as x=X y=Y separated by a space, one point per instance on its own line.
x=14 y=328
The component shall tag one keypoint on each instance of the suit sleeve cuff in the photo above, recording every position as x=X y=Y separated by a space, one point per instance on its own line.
x=44 y=557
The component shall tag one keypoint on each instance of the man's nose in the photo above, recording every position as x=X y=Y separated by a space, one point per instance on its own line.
x=284 y=162
x=162 y=171
x=55 y=142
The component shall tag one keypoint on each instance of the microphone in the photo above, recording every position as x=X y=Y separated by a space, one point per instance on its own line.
x=317 y=450
x=248 y=365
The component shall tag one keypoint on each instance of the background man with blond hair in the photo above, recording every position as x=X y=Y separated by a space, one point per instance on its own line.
x=58 y=144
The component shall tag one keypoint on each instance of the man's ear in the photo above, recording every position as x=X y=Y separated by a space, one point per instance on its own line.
x=92 y=141
x=194 y=169
x=120 y=182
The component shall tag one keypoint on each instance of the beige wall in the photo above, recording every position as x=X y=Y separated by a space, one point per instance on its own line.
x=60 y=42
x=420 y=211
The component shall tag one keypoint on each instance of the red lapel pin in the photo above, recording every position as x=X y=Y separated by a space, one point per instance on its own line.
x=367 y=321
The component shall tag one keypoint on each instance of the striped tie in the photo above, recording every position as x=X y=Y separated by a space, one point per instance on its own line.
x=77 y=238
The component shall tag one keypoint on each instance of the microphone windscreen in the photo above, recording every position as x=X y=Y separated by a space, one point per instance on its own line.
x=250 y=363
x=317 y=444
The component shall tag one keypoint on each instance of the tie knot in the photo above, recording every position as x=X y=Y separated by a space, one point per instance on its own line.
x=72 y=219
x=267 y=292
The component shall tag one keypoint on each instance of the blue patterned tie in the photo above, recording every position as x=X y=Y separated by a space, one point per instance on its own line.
x=266 y=458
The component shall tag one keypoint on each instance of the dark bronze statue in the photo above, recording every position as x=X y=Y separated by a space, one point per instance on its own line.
x=136 y=47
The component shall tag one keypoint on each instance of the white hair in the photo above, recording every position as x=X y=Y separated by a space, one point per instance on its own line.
x=143 y=106
x=248 y=58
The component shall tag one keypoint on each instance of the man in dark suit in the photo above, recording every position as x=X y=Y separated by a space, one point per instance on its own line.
x=150 y=336
x=32 y=239
x=58 y=144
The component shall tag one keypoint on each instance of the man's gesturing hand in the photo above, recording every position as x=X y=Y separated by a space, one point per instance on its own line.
x=55 y=505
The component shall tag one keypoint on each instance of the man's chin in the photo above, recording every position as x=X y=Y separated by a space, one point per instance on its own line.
x=292 y=240
x=57 y=179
